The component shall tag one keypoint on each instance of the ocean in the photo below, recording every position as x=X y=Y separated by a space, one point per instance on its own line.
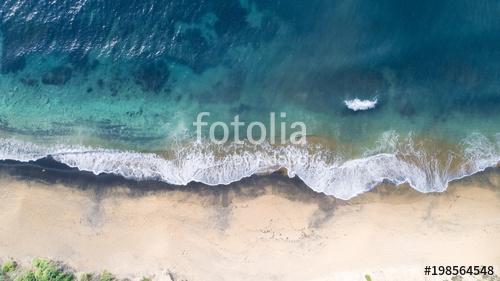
x=389 y=91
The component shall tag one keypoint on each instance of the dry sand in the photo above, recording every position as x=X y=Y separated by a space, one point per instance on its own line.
x=266 y=228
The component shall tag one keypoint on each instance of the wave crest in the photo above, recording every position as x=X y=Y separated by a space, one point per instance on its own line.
x=357 y=104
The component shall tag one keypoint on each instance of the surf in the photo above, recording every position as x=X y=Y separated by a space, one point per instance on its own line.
x=322 y=170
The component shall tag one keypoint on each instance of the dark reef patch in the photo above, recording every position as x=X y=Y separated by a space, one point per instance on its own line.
x=100 y=84
x=231 y=17
x=152 y=76
x=30 y=82
x=57 y=76
x=133 y=114
x=82 y=62
x=12 y=64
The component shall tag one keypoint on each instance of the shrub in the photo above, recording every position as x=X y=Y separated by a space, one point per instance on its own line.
x=106 y=276
x=26 y=276
x=45 y=270
x=85 y=277
x=8 y=266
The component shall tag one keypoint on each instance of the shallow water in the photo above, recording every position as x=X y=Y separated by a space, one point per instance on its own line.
x=114 y=86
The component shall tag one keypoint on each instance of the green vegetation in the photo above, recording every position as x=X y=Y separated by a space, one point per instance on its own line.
x=8 y=266
x=368 y=277
x=106 y=276
x=85 y=277
x=146 y=279
x=26 y=276
x=45 y=270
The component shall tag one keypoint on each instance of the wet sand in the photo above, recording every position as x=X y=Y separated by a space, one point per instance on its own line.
x=264 y=228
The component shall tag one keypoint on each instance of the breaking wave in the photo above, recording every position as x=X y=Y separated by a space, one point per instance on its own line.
x=357 y=104
x=394 y=160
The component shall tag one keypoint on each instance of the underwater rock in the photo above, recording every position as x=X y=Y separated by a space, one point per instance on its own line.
x=12 y=64
x=152 y=76
x=100 y=83
x=113 y=88
x=57 y=76
x=134 y=113
x=29 y=82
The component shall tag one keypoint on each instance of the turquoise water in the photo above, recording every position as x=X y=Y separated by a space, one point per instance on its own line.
x=115 y=86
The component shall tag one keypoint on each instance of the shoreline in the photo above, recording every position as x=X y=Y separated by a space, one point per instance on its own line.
x=423 y=170
x=261 y=228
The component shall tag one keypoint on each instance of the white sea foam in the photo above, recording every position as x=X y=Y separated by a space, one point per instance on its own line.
x=321 y=170
x=357 y=104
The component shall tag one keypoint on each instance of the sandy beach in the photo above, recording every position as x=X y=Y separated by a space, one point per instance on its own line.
x=264 y=228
